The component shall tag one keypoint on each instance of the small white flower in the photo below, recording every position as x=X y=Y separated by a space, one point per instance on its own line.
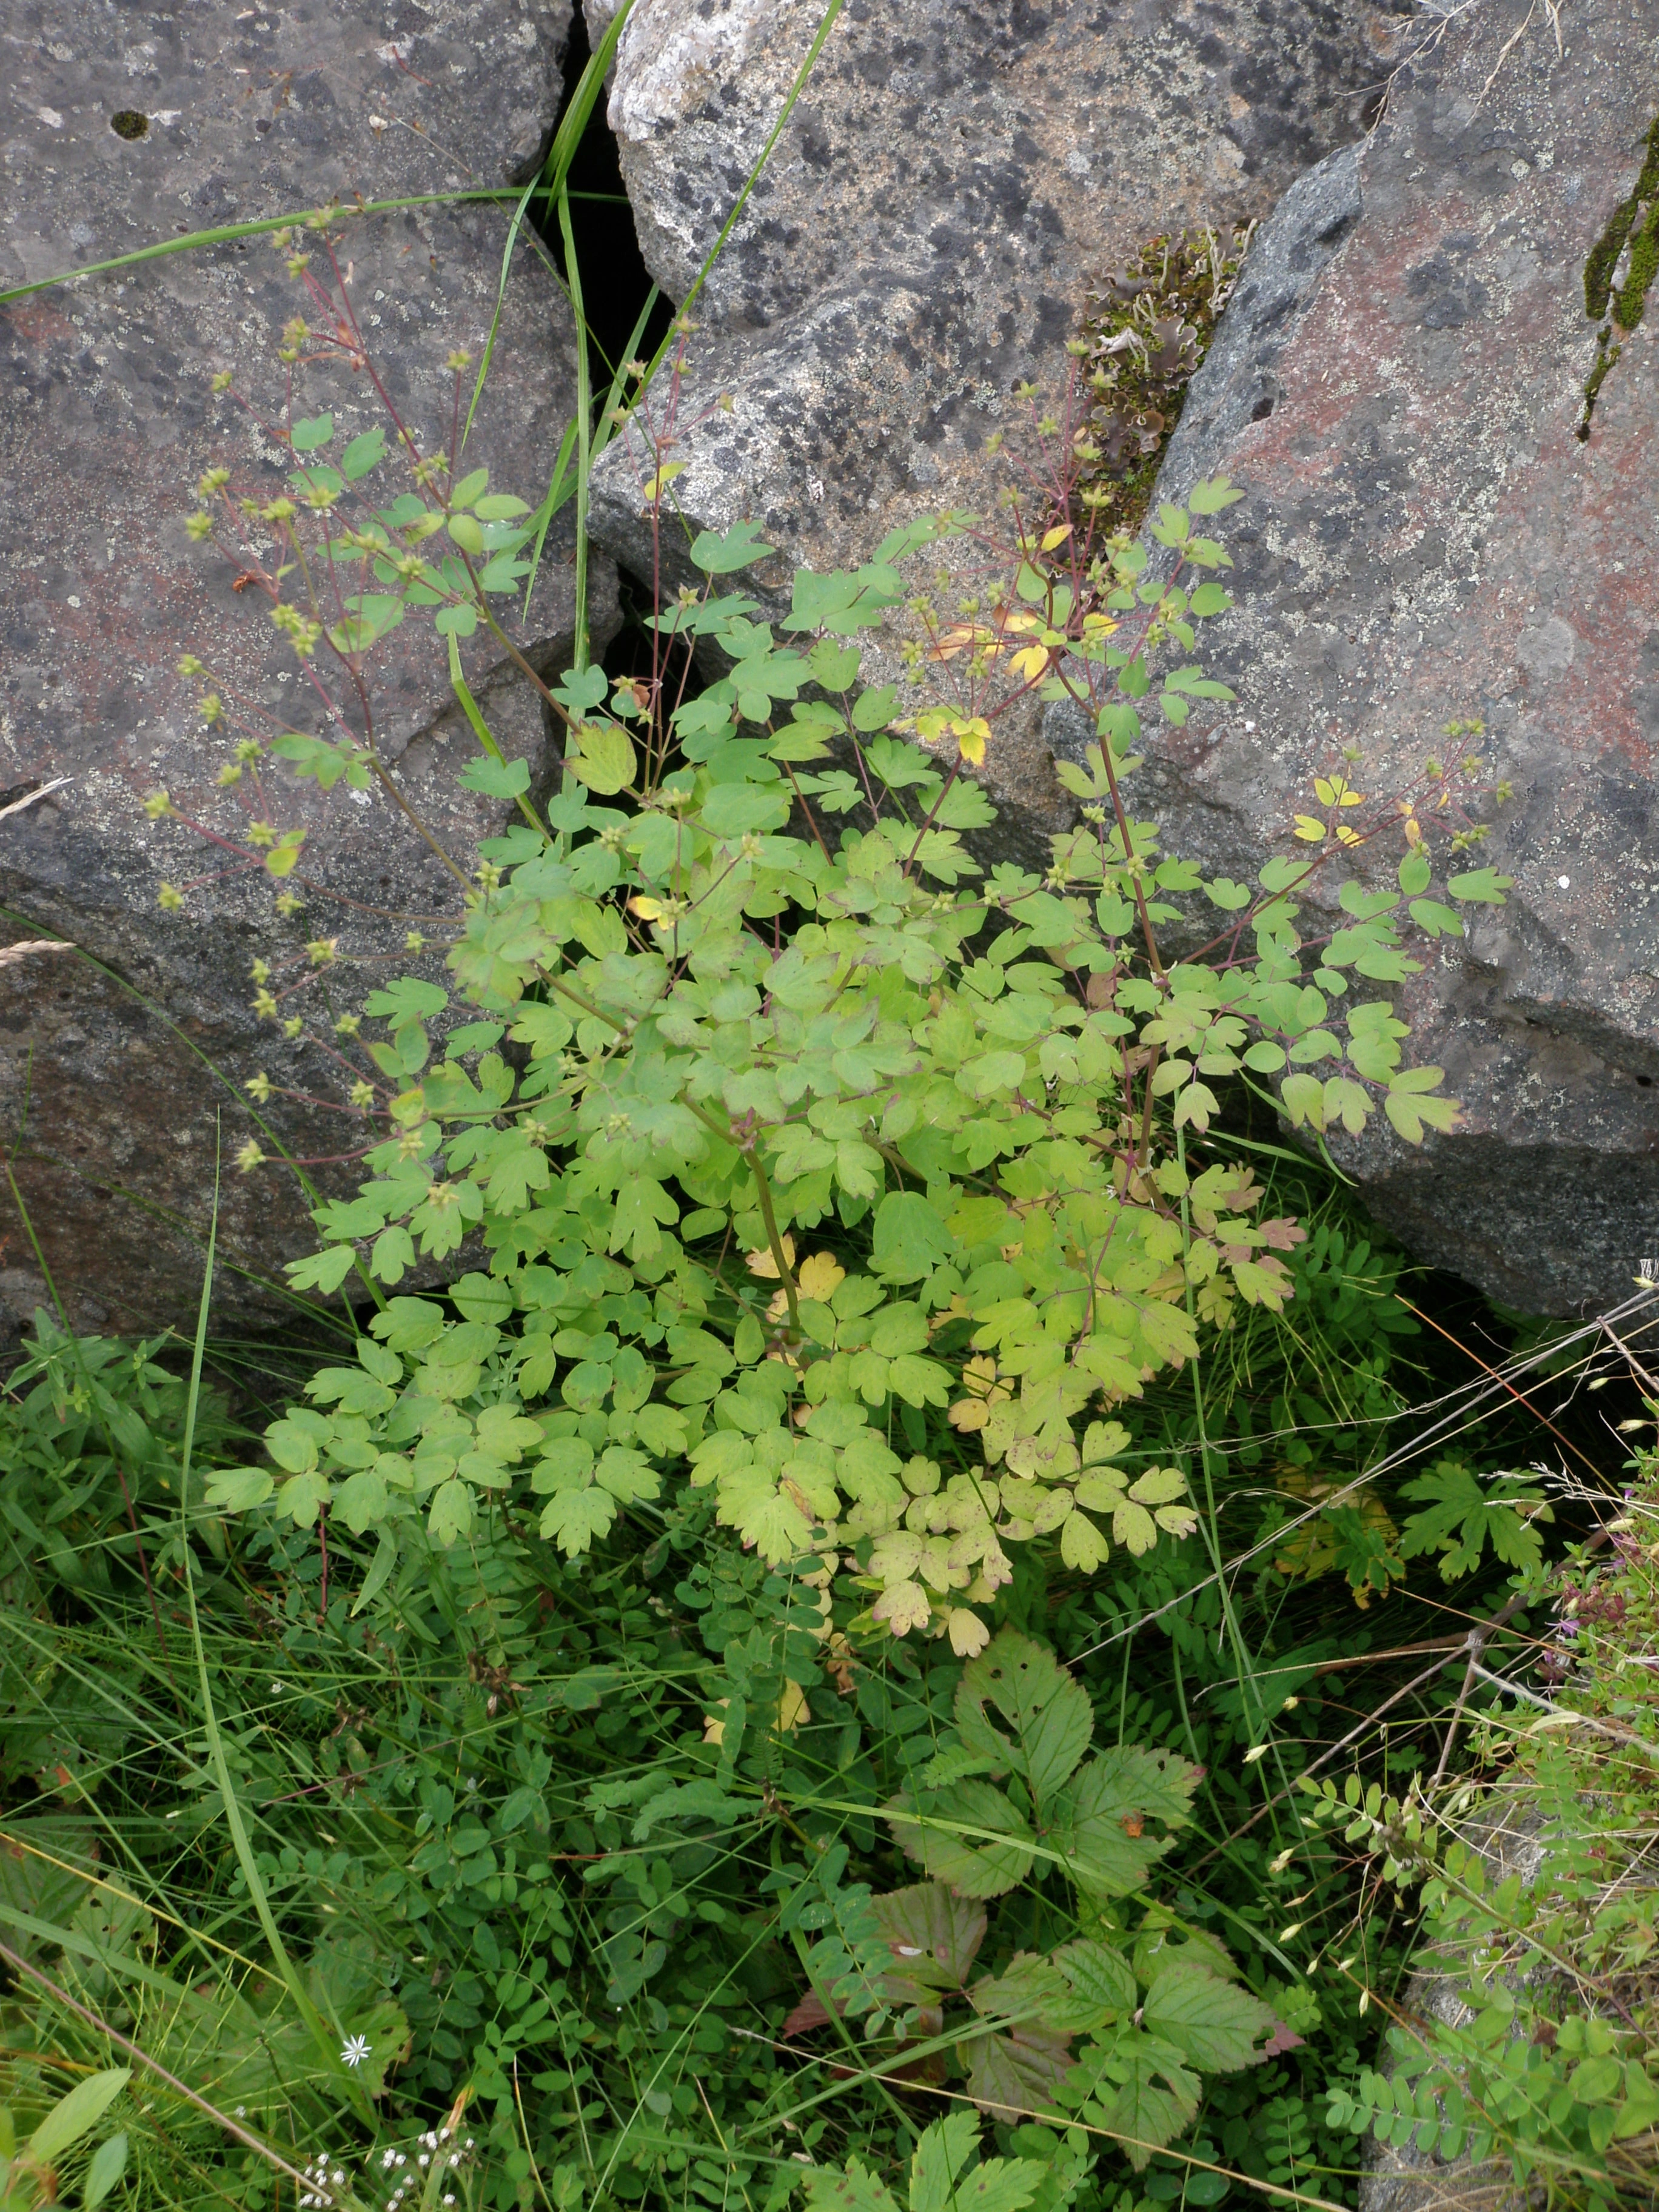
x=355 y=2049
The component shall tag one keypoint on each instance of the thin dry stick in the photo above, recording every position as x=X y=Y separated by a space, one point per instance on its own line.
x=40 y=791
x=1325 y=1757
x=1477 y=1645
x=1648 y=1382
x=1390 y=1461
x=1499 y=1620
x=1519 y=1396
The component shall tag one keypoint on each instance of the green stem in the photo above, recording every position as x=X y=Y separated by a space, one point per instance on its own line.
x=239 y=1836
x=583 y=432
x=763 y=1189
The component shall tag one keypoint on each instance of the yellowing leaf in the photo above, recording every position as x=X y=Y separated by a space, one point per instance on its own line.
x=1030 y=662
x=1334 y=791
x=1133 y=1527
x=1104 y=1440
x=903 y=1606
x=1082 y=1545
x=1101 y=1488
x=762 y=1262
x=793 y=1711
x=1160 y=1485
x=605 y=760
x=972 y=737
x=1310 y=831
x=967 y=1633
x=818 y=1275
x=1057 y=536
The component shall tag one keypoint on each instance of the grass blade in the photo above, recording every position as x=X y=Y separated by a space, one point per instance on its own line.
x=224 y=233
x=238 y=1835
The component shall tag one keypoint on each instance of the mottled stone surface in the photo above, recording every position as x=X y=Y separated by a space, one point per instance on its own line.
x=923 y=236
x=123 y=1055
x=1397 y=386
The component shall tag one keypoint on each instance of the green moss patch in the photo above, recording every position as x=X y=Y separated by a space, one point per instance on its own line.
x=1619 y=303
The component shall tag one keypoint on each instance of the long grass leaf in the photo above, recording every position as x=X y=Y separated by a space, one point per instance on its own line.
x=308 y=2011
x=224 y=233
x=584 y=434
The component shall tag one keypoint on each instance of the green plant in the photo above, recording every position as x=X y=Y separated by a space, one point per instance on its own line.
x=982 y=1100
x=944 y=2176
x=1629 y=240
x=29 y=2173
x=1146 y=329
x=862 y=1289
x=1537 y=1916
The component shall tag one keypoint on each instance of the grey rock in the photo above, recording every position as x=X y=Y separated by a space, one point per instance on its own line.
x=1424 y=537
x=123 y=1069
x=923 y=236
x=1237 y=383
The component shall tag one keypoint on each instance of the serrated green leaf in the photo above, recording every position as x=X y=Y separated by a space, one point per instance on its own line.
x=952 y=1832
x=1048 y=1716
x=854 y=2189
x=1214 y=2024
x=1100 y=1824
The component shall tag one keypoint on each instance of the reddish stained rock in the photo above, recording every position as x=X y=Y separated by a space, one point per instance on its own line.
x=113 y=1066
x=1425 y=538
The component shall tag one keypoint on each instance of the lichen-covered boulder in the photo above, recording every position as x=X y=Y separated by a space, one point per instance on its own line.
x=1399 y=387
x=124 y=128
x=922 y=236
